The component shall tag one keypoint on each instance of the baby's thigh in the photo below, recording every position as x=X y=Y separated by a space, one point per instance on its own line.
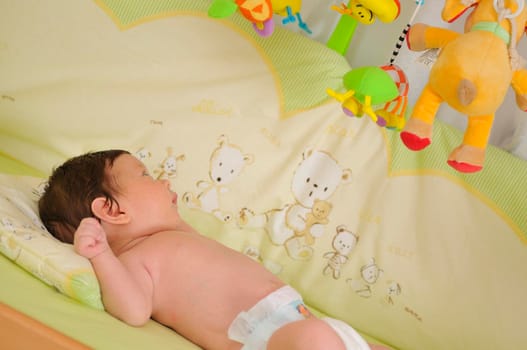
x=308 y=334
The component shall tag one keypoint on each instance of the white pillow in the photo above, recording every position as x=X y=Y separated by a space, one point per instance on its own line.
x=25 y=241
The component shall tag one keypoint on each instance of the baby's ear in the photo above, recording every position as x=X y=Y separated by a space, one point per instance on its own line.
x=105 y=211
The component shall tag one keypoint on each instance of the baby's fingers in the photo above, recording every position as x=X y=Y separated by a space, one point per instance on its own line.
x=90 y=246
x=90 y=238
x=90 y=223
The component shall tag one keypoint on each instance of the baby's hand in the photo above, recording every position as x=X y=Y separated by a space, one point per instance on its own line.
x=90 y=238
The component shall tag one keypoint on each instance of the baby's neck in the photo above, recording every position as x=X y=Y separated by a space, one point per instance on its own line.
x=119 y=248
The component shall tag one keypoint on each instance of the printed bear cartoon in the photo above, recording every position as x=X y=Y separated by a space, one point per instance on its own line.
x=227 y=162
x=168 y=167
x=343 y=243
x=394 y=289
x=143 y=154
x=370 y=273
x=304 y=239
x=317 y=177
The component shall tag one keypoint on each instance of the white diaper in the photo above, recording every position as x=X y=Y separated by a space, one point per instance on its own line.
x=349 y=336
x=253 y=328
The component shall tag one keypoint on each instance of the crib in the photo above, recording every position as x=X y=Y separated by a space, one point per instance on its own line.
x=411 y=253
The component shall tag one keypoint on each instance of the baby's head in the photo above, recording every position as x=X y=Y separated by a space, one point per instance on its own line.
x=71 y=189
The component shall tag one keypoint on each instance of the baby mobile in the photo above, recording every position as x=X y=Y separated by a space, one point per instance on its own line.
x=371 y=86
x=260 y=13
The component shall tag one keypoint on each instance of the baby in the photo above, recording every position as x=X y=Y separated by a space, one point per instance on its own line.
x=152 y=264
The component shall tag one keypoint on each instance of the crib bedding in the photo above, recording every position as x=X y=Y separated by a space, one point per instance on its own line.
x=90 y=327
x=77 y=313
x=405 y=249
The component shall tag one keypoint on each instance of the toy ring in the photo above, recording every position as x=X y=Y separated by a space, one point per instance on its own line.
x=498 y=6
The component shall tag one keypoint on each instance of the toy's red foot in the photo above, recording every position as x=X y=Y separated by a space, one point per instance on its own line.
x=464 y=167
x=414 y=142
x=467 y=158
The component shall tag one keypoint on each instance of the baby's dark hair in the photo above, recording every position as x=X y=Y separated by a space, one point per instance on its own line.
x=72 y=187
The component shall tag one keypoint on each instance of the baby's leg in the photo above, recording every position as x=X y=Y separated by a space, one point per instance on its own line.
x=308 y=334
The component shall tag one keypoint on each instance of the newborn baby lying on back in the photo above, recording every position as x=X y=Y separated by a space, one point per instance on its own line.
x=152 y=264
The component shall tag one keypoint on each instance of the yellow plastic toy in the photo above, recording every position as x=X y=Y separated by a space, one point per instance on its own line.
x=359 y=11
x=472 y=74
x=365 y=11
x=290 y=10
x=366 y=88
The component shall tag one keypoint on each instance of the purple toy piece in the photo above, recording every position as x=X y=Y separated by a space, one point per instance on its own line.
x=268 y=28
x=381 y=121
x=348 y=112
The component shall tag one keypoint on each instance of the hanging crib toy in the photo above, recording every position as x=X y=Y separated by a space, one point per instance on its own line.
x=378 y=92
x=472 y=74
x=260 y=12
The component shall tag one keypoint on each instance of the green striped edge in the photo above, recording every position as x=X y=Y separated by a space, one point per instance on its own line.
x=301 y=86
x=501 y=184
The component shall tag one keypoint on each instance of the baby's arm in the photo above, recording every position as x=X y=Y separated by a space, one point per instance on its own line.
x=126 y=290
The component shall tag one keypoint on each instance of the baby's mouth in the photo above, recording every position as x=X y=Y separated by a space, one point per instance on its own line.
x=174 y=198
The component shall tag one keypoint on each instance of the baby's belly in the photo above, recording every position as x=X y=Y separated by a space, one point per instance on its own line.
x=204 y=313
x=199 y=292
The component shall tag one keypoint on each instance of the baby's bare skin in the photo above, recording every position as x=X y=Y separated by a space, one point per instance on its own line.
x=151 y=264
x=200 y=285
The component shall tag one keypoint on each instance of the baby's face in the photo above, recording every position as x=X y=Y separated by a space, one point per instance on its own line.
x=150 y=204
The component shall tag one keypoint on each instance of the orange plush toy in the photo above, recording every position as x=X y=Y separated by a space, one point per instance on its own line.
x=472 y=74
